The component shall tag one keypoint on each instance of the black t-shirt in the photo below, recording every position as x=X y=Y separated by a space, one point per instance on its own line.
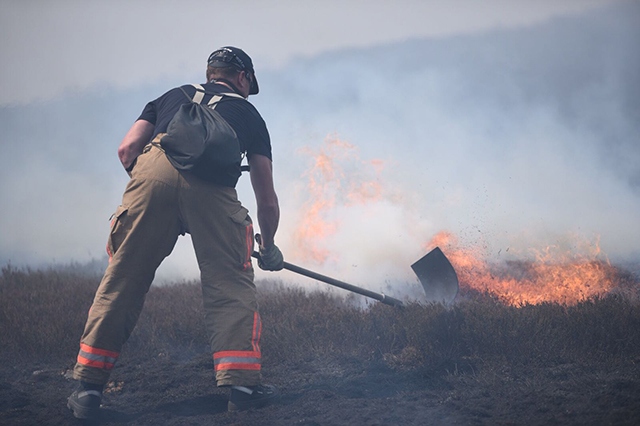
x=241 y=115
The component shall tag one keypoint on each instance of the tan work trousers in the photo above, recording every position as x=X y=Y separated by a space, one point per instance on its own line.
x=158 y=205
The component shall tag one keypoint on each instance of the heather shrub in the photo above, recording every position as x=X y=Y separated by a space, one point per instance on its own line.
x=42 y=313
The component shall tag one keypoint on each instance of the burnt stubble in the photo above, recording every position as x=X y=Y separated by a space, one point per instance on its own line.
x=337 y=361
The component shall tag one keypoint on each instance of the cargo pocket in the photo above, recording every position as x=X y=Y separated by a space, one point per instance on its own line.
x=117 y=234
x=245 y=243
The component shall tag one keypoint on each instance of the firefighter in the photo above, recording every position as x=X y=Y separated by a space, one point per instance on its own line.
x=159 y=204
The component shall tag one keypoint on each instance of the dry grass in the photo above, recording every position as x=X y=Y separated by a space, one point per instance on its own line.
x=337 y=361
x=42 y=313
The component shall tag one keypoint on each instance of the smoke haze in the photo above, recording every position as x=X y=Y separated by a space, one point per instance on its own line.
x=510 y=139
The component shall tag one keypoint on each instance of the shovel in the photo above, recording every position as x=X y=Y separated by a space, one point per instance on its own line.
x=434 y=271
x=437 y=276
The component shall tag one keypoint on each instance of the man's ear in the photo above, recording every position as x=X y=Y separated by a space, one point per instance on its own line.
x=242 y=80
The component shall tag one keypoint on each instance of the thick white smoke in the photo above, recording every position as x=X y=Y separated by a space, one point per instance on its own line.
x=510 y=140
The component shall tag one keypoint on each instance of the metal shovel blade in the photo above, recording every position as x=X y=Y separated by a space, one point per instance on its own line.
x=437 y=276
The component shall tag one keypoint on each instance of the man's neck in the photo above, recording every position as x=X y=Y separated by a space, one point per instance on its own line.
x=225 y=83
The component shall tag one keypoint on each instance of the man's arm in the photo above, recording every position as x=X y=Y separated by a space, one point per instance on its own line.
x=261 y=172
x=134 y=141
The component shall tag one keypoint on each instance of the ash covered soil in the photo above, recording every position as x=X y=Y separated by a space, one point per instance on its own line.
x=479 y=362
x=166 y=390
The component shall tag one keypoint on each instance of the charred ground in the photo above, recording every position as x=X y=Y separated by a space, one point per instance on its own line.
x=479 y=362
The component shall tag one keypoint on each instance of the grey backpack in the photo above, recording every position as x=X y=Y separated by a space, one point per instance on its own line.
x=199 y=140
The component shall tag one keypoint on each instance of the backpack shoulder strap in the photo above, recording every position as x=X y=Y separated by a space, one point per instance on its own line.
x=197 y=97
x=215 y=98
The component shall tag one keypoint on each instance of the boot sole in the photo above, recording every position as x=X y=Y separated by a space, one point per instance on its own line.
x=249 y=405
x=232 y=407
x=84 y=413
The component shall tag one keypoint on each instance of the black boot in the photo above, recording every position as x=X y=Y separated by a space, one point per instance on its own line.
x=85 y=401
x=245 y=398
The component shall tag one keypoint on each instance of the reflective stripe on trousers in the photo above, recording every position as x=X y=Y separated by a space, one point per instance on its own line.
x=97 y=358
x=242 y=360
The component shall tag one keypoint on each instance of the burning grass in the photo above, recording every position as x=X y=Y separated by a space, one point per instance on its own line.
x=340 y=186
x=550 y=275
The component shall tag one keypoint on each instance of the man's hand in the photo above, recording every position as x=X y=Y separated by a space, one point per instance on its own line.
x=271 y=258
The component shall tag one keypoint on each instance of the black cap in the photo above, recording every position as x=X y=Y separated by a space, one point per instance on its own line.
x=233 y=56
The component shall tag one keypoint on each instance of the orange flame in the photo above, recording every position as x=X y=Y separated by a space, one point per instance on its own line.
x=330 y=186
x=553 y=276
x=338 y=180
